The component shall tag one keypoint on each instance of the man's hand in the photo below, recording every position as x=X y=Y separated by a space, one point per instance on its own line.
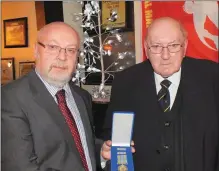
x=106 y=149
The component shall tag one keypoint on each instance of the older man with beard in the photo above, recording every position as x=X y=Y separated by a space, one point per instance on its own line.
x=46 y=120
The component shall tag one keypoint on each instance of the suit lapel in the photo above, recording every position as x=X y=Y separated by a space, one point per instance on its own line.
x=46 y=101
x=149 y=95
x=86 y=124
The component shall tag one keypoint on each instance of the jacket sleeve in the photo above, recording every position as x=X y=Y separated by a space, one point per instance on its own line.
x=17 y=144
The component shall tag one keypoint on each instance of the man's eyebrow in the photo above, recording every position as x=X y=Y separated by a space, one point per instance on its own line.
x=52 y=41
x=73 y=45
x=175 y=41
x=153 y=42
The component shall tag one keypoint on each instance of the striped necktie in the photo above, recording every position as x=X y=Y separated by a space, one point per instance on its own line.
x=60 y=95
x=164 y=95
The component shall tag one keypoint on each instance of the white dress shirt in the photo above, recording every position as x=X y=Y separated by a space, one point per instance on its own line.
x=76 y=114
x=175 y=80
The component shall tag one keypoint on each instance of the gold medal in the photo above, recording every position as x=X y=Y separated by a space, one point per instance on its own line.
x=122 y=168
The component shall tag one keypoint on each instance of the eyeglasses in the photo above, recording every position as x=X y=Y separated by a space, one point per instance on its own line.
x=55 y=50
x=172 y=48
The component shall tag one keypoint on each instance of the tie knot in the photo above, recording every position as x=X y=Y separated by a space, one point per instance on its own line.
x=165 y=83
x=60 y=95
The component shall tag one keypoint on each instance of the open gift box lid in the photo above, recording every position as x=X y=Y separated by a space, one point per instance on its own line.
x=122 y=128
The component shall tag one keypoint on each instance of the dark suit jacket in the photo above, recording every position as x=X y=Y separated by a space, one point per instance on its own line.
x=34 y=133
x=134 y=90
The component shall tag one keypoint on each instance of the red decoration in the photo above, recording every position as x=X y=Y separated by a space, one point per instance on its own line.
x=107 y=47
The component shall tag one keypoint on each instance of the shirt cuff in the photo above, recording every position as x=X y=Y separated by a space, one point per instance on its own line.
x=102 y=162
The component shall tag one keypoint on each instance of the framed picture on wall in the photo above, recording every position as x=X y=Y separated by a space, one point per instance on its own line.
x=108 y=8
x=25 y=67
x=7 y=70
x=125 y=16
x=15 y=33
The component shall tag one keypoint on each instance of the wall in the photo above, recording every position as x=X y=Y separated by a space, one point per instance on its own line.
x=19 y=9
x=138 y=31
x=69 y=8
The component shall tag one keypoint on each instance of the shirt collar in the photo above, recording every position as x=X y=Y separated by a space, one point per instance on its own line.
x=175 y=78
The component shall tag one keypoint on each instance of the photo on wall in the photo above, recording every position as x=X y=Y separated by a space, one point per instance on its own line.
x=15 y=33
x=7 y=70
x=26 y=67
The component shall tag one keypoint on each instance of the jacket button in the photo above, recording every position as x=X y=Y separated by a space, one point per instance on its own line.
x=166 y=147
x=167 y=124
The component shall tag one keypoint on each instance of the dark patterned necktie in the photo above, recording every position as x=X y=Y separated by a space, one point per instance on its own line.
x=164 y=95
x=60 y=95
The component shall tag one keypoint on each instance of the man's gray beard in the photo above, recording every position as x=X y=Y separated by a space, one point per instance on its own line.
x=58 y=83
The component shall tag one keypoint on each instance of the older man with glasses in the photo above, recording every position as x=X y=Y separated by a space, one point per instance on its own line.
x=46 y=119
x=175 y=101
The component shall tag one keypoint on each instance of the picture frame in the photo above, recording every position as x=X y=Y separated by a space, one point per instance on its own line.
x=7 y=70
x=124 y=23
x=16 y=32
x=107 y=7
x=125 y=13
x=26 y=67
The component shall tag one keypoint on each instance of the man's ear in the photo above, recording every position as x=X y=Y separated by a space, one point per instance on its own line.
x=146 y=48
x=185 y=46
x=36 y=53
